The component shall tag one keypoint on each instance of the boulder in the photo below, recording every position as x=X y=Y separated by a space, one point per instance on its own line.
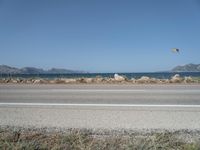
x=85 y=80
x=88 y=80
x=27 y=81
x=164 y=81
x=81 y=80
x=13 y=81
x=44 y=81
x=154 y=80
x=59 y=81
x=52 y=81
x=36 y=81
x=7 y=80
x=19 y=80
x=98 y=80
x=188 y=79
x=176 y=79
x=39 y=81
x=133 y=80
x=119 y=78
x=70 y=80
x=107 y=80
x=143 y=79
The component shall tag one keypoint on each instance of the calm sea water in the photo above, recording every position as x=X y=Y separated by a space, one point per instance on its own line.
x=160 y=75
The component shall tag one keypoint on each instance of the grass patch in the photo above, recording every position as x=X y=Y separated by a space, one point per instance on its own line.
x=75 y=139
x=196 y=79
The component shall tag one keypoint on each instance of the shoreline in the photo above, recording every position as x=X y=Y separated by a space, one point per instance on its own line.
x=117 y=79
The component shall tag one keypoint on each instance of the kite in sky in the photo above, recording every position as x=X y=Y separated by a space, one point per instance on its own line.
x=175 y=50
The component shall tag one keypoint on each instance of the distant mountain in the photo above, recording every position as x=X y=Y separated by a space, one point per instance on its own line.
x=62 y=71
x=187 y=68
x=8 y=70
x=31 y=70
x=4 y=69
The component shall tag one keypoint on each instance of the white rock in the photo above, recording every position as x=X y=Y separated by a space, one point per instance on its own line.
x=118 y=77
x=188 y=79
x=133 y=80
x=13 y=81
x=176 y=79
x=176 y=76
x=70 y=80
x=36 y=81
x=143 y=79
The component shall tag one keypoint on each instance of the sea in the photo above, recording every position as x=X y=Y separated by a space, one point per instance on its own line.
x=159 y=75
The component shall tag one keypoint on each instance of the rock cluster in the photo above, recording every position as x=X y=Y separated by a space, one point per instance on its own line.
x=116 y=79
x=176 y=79
x=119 y=78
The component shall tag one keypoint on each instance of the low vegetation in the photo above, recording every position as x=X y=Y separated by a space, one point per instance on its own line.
x=196 y=79
x=20 y=138
x=102 y=80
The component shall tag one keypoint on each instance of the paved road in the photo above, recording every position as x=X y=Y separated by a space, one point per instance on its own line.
x=101 y=106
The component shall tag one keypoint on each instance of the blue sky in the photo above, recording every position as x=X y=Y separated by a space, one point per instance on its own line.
x=100 y=35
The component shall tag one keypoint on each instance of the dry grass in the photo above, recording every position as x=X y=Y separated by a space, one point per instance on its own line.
x=75 y=139
x=196 y=79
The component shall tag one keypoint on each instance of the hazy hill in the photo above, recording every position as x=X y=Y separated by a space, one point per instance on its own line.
x=62 y=71
x=187 y=68
x=8 y=70
x=4 y=69
x=31 y=70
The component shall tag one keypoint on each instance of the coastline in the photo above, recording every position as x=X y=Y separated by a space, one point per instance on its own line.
x=117 y=79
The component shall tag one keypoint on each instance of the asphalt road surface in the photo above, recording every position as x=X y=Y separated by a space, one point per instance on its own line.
x=101 y=106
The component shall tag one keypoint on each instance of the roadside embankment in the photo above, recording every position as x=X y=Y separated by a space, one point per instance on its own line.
x=102 y=80
x=46 y=138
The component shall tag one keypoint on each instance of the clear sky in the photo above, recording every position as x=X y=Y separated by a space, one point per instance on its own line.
x=100 y=35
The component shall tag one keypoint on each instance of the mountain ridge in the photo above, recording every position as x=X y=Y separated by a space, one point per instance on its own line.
x=5 y=69
x=187 y=68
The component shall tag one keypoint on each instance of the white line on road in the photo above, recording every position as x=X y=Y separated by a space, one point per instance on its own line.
x=70 y=90
x=97 y=90
x=97 y=105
